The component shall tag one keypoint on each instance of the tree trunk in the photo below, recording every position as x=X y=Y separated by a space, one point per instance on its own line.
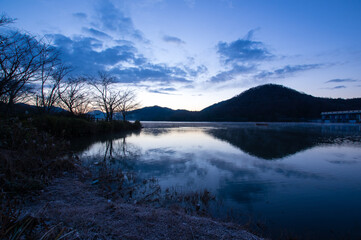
x=123 y=114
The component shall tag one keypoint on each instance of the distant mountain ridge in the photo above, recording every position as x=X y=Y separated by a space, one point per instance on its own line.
x=157 y=113
x=268 y=102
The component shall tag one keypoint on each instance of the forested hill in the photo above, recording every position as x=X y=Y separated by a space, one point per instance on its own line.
x=268 y=102
x=275 y=103
x=157 y=113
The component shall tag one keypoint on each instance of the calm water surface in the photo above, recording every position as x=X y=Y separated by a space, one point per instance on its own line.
x=303 y=179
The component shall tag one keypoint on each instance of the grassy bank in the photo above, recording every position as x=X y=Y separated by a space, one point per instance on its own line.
x=64 y=126
x=34 y=149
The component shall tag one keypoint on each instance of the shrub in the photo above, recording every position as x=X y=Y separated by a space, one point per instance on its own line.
x=29 y=158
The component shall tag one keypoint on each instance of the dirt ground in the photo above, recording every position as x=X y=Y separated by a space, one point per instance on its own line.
x=75 y=203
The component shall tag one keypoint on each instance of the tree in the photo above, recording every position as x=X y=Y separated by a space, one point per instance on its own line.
x=20 y=60
x=106 y=99
x=73 y=97
x=50 y=76
x=128 y=103
x=4 y=20
x=25 y=94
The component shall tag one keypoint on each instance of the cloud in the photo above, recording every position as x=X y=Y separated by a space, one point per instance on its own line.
x=87 y=55
x=286 y=71
x=96 y=33
x=230 y=74
x=243 y=50
x=197 y=71
x=163 y=91
x=80 y=15
x=169 y=89
x=156 y=73
x=341 y=80
x=113 y=19
x=338 y=87
x=171 y=39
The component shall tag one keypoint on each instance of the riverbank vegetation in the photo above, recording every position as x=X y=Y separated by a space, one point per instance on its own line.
x=35 y=150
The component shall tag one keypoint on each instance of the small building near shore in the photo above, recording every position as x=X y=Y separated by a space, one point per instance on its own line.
x=352 y=116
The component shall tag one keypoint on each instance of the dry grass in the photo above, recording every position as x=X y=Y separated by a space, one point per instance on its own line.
x=16 y=224
x=29 y=158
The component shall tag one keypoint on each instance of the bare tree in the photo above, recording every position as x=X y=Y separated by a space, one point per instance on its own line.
x=128 y=102
x=20 y=60
x=4 y=20
x=25 y=94
x=50 y=76
x=73 y=96
x=107 y=99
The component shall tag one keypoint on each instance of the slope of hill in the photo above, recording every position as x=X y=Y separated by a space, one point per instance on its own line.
x=272 y=102
x=157 y=113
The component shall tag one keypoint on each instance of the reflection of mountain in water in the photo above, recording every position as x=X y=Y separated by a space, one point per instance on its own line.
x=268 y=143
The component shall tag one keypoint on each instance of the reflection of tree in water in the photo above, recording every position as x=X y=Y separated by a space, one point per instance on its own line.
x=111 y=151
x=80 y=145
x=119 y=153
x=267 y=143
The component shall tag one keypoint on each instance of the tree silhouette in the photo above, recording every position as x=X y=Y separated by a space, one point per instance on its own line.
x=50 y=76
x=128 y=103
x=107 y=99
x=73 y=97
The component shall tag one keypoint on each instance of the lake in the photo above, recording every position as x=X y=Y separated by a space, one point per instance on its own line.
x=302 y=180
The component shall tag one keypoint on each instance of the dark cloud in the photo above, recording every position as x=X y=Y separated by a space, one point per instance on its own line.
x=230 y=74
x=243 y=50
x=243 y=55
x=169 y=89
x=151 y=73
x=84 y=55
x=172 y=39
x=96 y=33
x=195 y=72
x=338 y=87
x=88 y=55
x=113 y=19
x=341 y=80
x=287 y=71
x=163 y=91
x=189 y=86
x=80 y=15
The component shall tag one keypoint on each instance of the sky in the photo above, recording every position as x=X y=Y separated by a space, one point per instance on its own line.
x=189 y=54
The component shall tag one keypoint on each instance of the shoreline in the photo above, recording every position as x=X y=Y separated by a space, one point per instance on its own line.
x=71 y=200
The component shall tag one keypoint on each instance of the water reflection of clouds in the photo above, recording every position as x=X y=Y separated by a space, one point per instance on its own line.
x=287 y=171
x=310 y=167
x=341 y=162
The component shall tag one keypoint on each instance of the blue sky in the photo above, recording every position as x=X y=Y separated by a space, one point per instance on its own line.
x=192 y=53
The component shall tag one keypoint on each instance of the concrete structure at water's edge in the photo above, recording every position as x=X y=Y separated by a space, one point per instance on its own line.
x=353 y=116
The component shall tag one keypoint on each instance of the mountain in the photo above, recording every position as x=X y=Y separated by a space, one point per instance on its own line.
x=26 y=108
x=269 y=143
x=97 y=114
x=268 y=102
x=157 y=113
x=273 y=102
